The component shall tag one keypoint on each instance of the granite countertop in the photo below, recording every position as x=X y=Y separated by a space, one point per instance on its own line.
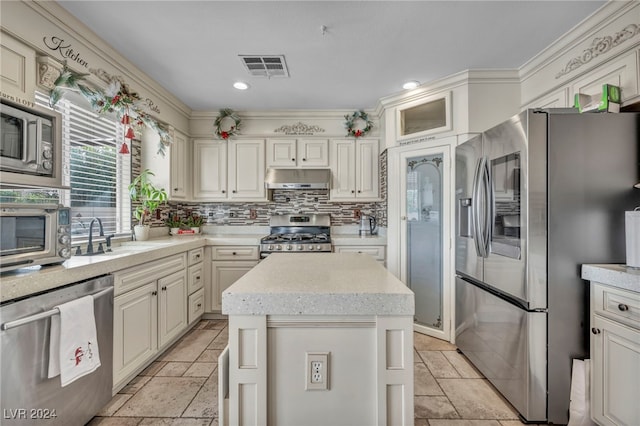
x=318 y=284
x=26 y=281
x=615 y=275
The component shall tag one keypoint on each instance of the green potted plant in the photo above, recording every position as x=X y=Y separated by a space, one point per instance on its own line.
x=174 y=223
x=143 y=191
x=194 y=222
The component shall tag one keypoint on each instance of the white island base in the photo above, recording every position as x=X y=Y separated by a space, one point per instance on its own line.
x=300 y=323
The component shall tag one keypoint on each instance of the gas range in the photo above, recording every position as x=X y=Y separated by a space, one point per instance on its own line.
x=299 y=233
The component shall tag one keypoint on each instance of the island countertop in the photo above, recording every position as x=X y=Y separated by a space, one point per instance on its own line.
x=318 y=284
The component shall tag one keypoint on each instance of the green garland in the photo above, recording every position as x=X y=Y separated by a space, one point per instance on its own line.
x=225 y=134
x=117 y=98
x=351 y=120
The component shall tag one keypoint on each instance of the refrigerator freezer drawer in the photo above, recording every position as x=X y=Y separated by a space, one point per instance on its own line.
x=507 y=344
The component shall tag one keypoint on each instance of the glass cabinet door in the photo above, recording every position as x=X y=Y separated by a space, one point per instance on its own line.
x=424 y=216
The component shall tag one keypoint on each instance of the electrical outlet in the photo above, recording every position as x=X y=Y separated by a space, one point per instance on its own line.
x=317 y=375
x=357 y=213
x=253 y=214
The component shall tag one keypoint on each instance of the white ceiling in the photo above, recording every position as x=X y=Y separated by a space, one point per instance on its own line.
x=368 y=50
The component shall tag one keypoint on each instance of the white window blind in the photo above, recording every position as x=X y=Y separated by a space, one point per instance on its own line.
x=97 y=174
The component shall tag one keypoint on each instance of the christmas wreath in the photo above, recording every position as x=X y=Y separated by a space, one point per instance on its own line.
x=224 y=116
x=350 y=124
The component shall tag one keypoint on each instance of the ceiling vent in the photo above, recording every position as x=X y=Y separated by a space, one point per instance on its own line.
x=265 y=66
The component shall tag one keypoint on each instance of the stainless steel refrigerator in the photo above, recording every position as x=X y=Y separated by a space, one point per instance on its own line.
x=536 y=197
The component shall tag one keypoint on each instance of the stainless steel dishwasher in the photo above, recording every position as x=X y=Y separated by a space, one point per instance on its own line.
x=27 y=395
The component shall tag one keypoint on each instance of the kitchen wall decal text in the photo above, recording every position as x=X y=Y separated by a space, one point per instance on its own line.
x=57 y=44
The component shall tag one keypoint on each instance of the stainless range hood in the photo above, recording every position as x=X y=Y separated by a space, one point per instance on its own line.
x=298 y=179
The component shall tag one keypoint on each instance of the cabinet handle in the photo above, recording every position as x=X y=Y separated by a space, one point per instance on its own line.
x=154 y=293
x=304 y=159
x=403 y=218
x=623 y=307
x=224 y=192
x=233 y=253
x=293 y=159
x=353 y=192
x=199 y=305
x=198 y=278
x=197 y=256
x=175 y=189
x=234 y=191
x=595 y=330
x=164 y=288
x=359 y=191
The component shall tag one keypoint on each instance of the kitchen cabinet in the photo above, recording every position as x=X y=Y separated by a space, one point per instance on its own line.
x=180 y=176
x=297 y=153
x=150 y=312
x=195 y=284
x=228 y=170
x=229 y=263
x=18 y=71
x=377 y=252
x=355 y=169
x=615 y=355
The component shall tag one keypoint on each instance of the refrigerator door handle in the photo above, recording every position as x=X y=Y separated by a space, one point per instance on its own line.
x=488 y=208
x=475 y=208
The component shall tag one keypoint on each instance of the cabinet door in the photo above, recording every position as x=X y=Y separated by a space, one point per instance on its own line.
x=180 y=167
x=343 y=168
x=615 y=375
x=367 y=169
x=172 y=316
x=247 y=169
x=18 y=71
x=223 y=274
x=135 y=330
x=313 y=153
x=281 y=153
x=209 y=170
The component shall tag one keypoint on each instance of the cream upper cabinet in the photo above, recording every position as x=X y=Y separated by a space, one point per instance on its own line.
x=228 y=170
x=355 y=169
x=209 y=169
x=18 y=70
x=180 y=182
x=246 y=170
x=297 y=153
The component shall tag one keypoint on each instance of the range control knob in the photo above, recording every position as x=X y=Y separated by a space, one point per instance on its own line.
x=300 y=246
x=288 y=246
x=278 y=247
x=318 y=247
x=65 y=252
x=47 y=165
x=310 y=247
x=64 y=239
x=270 y=247
x=47 y=154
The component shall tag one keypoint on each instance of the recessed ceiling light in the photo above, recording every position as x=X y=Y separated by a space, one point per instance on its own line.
x=411 y=85
x=240 y=85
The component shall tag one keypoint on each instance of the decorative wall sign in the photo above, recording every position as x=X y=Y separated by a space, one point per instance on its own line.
x=299 y=129
x=64 y=50
x=600 y=46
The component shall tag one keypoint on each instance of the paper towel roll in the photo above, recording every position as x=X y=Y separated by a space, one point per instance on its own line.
x=632 y=237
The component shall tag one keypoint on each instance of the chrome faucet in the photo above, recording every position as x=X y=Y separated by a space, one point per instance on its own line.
x=90 y=243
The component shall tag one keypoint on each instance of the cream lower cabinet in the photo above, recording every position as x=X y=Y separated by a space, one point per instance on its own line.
x=150 y=312
x=195 y=284
x=228 y=264
x=615 y=356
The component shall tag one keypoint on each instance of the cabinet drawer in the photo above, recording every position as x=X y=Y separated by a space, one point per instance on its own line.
x=234 y=253
x=131 y=278
x=195 y=278
x=377 y=252
x=196 y=305
x=196 y=256
x=616 y=304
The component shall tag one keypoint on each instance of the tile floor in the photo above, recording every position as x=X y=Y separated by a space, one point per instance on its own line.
x=180 y=388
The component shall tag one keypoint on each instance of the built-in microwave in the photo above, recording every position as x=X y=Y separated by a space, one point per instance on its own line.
x=29 y=144
x=34 y=234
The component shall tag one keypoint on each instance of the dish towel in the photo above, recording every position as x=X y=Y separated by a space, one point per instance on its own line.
x=73 y=341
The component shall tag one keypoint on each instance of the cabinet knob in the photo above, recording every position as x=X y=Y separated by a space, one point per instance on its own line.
x=224 y=192
x=154 y=293
x=595 y=330
x=233 y=253
x=353 y=192
x=623 y=307
x=198 y=277
x=234 y=191
x=175 y=189
x=359 y=191
x=164 y=288
x=403 y=218
x=293 y=159
x=304 y=159
x=199 y=305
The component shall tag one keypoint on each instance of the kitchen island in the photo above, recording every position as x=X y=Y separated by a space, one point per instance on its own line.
x=317 y=339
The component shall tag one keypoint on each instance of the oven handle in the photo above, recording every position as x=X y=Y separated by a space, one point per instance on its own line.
x=45 y=314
